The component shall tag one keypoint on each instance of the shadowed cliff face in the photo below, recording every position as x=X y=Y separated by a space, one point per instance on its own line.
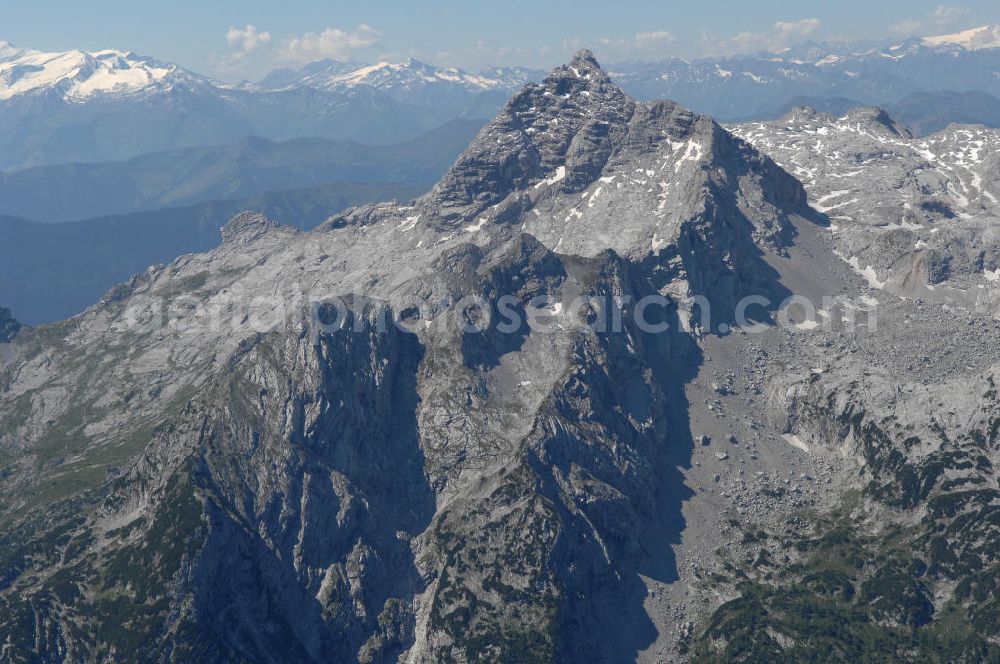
x=8 y=325
x=312 y=455
x=541 y=557
x=270 y=519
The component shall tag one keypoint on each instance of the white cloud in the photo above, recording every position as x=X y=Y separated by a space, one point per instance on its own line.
x=803 y=28
x=571 y=45
x=483 y=54
x=249 y=48
x=657 y=37
x=907 y=27
x=781 y=35
x=330 y=43
x=640 y=40
x=480 y=54
x=248 y=39
x=641 y=45
x=949 y=14
x=942 y=19
x=253 y=52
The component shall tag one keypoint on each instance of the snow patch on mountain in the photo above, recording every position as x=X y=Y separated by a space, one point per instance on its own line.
x=80 y=74
x=404 y=75
x=983 y=37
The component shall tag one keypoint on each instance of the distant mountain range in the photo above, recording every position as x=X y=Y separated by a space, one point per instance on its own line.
x=156 y=207
x=928 y=112
x=111 y=105
x=251 y=166
x=78 y=75
x=400 y=80
x=752 y=86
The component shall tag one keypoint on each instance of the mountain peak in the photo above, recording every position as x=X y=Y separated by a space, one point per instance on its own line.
x=415 y=63
x=585 y=57
x=873 y=115
x=974 y=39
x=79 y=74
x=584 y=66
x=598 y=169
x=246 y=227
x=572 y=112
x=871 y=118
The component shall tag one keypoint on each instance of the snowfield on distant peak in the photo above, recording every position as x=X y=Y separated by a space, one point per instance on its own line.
x=77 y=74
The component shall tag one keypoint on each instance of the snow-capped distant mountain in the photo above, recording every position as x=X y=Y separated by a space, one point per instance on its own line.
x=113 y=105
x=105 y=105
x=410 y=83
x=513 y=76
x=286 y=78
x=79 y=75
x=987 y=36
x=881 y=73
x=406 y=76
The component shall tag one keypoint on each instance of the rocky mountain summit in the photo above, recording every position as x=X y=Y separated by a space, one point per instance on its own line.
x=521 y=418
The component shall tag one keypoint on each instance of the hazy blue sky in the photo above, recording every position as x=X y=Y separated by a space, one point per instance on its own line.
x=243 y=39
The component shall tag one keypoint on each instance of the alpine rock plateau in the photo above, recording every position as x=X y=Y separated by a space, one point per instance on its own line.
x=911 y=215
x=331 y=446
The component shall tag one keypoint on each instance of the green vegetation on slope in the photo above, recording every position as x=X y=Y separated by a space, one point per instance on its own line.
x=926 y=589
